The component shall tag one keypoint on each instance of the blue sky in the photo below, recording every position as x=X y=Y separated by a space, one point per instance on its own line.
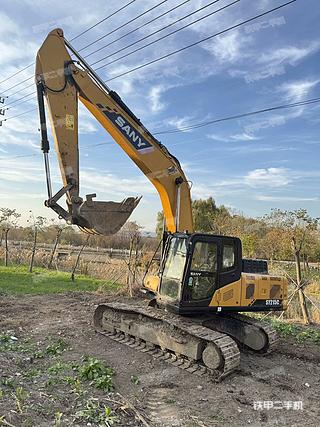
x=250 y=164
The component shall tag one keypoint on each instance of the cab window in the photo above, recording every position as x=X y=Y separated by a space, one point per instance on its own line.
x=228 y=257
x=204 y=257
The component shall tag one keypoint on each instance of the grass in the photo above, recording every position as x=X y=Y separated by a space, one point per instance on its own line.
x=300 y=333
x=15 y=280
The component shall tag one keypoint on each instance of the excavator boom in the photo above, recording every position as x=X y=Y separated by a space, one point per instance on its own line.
x=62 y=81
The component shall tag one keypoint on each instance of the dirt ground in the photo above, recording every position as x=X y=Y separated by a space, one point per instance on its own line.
x=163 y=395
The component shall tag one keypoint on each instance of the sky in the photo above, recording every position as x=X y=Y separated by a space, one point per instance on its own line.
x=250 y=164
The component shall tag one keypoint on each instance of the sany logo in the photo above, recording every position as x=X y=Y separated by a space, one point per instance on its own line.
x=131 y=134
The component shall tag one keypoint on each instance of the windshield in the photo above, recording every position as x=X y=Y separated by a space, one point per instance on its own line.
x=174 y=268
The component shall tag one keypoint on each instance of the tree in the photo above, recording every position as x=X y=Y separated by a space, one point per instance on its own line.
x=297 y=227
x=78 y=257
x=8 y=219
x=203 y=211
x=159 y=226
x=36 y=224
x=58 y=228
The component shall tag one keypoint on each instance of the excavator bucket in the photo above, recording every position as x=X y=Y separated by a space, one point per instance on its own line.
x=104 y=217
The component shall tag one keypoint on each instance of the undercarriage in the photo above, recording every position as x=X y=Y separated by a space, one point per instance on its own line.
x=203 y=345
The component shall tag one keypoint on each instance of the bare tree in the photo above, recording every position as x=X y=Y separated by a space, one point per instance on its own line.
x=8 y=220
x=58 y=229
x=78 y=257
x=37 y=224
x=133 y=231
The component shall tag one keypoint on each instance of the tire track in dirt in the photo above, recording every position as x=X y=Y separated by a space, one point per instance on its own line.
x=161 y=408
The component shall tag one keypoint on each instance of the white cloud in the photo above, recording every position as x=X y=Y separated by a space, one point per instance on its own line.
x=87 y=122
x=286 y=199
x=270 y=177
x=112 y=185
x=297 y=90
x=228 y=48
x=7 y=25
x=155 y=98
x=244 y=137
x=291 y=55
x=216 y=137
x=20 y=170
x=180 y=122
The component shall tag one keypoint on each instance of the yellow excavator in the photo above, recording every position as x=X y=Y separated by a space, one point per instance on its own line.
x=193 y=316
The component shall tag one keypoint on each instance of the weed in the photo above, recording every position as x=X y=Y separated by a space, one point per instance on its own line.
x=8 y=382
x=39 y=354
x=33 y=372
x=99 y=375
x=300 y=334
x=96 y=413
x=59 y=367
x=20 y=396
x=57 y=419
x=77 y=387
x=309 y=334
x=135 y=380
x=1 y=393
x=4 y=338
x=56 y=348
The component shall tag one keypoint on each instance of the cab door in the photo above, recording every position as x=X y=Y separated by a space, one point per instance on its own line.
x=202 y=273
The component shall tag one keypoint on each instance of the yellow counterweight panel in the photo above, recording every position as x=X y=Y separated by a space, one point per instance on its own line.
x=249 y=288
x=262 y=287
x=227 y=296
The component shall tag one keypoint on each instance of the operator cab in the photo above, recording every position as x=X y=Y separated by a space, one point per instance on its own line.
x=195 y=266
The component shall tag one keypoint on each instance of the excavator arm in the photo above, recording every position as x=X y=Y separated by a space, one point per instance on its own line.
x=62 y=81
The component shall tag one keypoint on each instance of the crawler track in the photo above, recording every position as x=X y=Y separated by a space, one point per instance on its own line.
x=169 y=337
x=270 y=333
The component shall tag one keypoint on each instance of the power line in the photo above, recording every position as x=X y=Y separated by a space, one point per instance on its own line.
x=163 y=37
x=24 y=88
x=222 y=119
x=19 y=99
x=102 y=20
x=18 y=84
x=238 y=116
x=24 y=101
x=189 y=46
x=199 y=41
x=138 y=28
x=33 y=63
x=18 y=115
x=122 y=25
x=155 y=32
x=16 y=73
